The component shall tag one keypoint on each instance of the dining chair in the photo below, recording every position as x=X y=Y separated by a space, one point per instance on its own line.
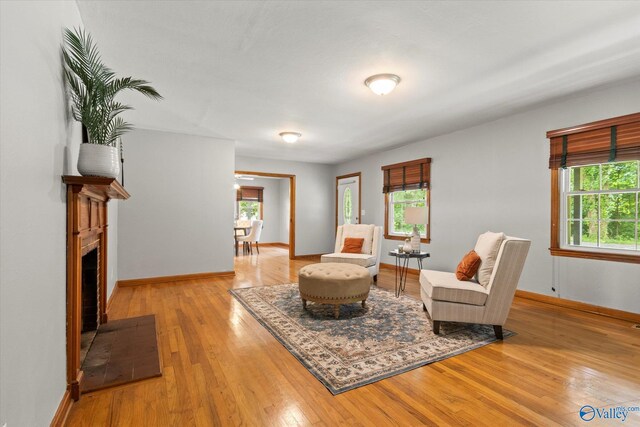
x=252 y=237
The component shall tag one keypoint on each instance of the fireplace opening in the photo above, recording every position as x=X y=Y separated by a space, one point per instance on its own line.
x=90 y=318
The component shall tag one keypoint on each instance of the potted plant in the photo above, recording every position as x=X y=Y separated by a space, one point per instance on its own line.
x=93 y=88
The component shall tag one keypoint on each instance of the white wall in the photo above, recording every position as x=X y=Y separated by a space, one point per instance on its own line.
x=315 y=229
x=37 y=145
x=495 y=177
x=285 y=207
x=179 y=218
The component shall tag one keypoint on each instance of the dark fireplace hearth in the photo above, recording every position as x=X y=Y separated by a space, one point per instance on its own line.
x=90 y=291
x=90 y=308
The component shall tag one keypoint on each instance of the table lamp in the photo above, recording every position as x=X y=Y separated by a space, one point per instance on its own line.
x=416 y=216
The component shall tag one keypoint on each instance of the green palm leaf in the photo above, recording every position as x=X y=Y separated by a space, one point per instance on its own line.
x=93 y=86
x=138 y=85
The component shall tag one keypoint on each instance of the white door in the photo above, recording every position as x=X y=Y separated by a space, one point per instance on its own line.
x=348 y=208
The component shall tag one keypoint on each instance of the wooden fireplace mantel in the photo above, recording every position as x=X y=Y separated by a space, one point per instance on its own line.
x=87 y=198
x=97 y=187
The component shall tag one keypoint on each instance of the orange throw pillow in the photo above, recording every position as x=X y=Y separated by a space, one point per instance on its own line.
x=468 y=267
x=352 y=245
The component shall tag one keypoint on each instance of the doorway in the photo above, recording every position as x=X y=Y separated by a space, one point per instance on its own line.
x=348 y=198
x=291 y=221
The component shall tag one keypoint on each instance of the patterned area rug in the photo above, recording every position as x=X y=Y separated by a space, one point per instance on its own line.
x=388 y=337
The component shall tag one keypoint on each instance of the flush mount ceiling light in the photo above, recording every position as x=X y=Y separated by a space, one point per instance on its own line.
x=246 y=178
x=382 y=84
x=290 y=137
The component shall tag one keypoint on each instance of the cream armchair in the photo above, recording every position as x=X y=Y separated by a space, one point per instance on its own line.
x=448 y=299
x=371 y=248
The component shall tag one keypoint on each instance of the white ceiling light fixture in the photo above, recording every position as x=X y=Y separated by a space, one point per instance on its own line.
x=382 y=84
x=246 y=178
x=290 y=137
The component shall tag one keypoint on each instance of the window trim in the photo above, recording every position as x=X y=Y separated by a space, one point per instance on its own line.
x=555 y=247
x=390 y=236
x=410 y=182
x=585 y=155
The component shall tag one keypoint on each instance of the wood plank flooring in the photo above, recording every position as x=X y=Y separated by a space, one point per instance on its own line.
x=220 y=367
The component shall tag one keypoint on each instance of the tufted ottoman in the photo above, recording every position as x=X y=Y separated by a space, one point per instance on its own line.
x=334 y=283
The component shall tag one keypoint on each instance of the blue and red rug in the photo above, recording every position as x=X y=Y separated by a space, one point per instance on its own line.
x=388 y=337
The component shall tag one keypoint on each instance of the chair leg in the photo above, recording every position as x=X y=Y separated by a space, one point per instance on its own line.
x=426 y=311
x=364 y=301
x=258 y=248
x=498 y=330
x=336 y=311
x=436 y=327
x=375 y=278
x=250 y=248
x=304 y=304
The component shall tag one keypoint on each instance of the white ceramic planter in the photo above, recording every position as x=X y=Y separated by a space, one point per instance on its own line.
x=99 y=160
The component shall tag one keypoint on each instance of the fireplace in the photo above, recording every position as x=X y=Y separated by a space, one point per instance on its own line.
x=90 y=279
x=90 y=308
x=87 y=199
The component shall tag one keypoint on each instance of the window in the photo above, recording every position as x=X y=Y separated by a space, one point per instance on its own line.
x=249 y=210
x=398 y=202
x=348 y=210
x=249 y=203
x=600 y=206
x=405 y=184
x=595 y=187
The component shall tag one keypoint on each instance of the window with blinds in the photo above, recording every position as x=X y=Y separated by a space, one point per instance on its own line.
x=249 y=203
x=250 y=194
x=411 y=175
x=595 y=189
x=404 y=185
x=609 y=140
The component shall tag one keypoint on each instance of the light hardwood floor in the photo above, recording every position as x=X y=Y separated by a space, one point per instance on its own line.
x=220 y=367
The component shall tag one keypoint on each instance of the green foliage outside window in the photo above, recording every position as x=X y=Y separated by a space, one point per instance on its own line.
x=347 y=206
x=400 y=200
x=594 y=214
x=248 y=210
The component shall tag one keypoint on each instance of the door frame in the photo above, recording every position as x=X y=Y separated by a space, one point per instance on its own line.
x=351 y=175
x=292 y=204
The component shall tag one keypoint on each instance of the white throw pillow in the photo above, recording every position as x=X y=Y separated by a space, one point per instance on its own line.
x=359 y=231
x=487 y=248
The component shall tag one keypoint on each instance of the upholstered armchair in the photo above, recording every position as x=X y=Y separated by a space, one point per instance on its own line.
x=447 y=299
x=371 y=248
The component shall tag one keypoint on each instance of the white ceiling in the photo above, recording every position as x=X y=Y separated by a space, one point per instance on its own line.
x=249 y=70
